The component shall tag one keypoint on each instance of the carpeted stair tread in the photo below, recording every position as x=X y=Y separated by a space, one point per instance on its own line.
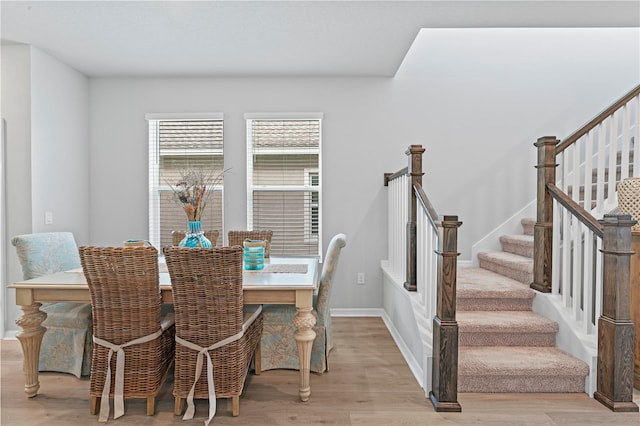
x=505 y=321
x=521 y=244
x=519 y=268
x=483 y=290
x=505 y=328
x=519 y=369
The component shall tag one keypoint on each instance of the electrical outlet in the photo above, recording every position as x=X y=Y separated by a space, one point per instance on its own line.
x=360 y=277
x=48 y=218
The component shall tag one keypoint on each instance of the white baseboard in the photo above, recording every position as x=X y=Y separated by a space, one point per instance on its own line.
x=357 y=312
x=465 y=264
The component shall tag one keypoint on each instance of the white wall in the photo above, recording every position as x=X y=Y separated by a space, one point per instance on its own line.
x=59 y=146
x=357 y=146
x=44 y=103
x=15 y=101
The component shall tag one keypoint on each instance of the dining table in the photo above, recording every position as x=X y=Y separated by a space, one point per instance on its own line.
x=284 y=280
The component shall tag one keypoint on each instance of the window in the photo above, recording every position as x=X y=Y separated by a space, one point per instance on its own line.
x=284 y=180
x=179 y=143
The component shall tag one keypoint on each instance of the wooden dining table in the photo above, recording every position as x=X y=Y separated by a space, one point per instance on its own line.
x=284 y=280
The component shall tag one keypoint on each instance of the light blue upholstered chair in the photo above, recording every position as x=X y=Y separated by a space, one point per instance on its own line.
x=278 y=346
x=67 y=344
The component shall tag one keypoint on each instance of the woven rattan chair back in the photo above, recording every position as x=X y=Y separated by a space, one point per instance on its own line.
x=125 y=295
x=236 y=238
x=177 y=236
x=207 y=296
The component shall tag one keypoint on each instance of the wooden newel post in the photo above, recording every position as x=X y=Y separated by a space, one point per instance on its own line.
x=444 y=385
x=543 y=229
x=615 y=329
x=415 y=171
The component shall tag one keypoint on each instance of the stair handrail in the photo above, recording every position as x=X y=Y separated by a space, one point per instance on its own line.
x=432 y=215
x=612 y=234
x=576 y=210
x=573 y=137
x=388 y=177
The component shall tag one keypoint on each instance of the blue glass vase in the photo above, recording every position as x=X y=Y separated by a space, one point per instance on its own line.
x=195 y=237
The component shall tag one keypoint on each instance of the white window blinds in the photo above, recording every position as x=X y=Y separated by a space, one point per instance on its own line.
x=284 y=181
x=179 y=145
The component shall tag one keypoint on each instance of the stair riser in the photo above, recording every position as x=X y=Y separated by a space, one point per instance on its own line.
x=527 y=227
x=497 y=304
x=516 y=384
x=505 y=339
x=519 y=249
x=525 y=277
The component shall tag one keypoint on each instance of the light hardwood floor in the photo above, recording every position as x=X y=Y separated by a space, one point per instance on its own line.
x=369 y=383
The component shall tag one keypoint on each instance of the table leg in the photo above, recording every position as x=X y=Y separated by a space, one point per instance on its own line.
x=304 y=335
x=31 y=338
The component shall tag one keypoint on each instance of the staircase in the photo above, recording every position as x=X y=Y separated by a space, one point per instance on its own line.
x=503 y=345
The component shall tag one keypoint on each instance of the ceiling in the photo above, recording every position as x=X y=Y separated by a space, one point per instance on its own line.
x=269 y=38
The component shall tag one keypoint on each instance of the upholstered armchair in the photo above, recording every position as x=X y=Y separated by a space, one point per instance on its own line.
x=67 y=343
x=278 y=346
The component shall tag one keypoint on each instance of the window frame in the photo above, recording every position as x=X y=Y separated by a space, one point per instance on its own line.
x=154 y=165
x=308 y=236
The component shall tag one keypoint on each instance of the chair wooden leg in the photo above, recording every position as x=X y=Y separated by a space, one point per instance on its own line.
x=257 y=360
x=235 y=404
x=151 y=405
x=94 y=405
x=178 y=406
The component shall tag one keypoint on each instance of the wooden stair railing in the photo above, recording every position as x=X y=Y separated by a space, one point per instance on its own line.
x=444 y=386
x=615 y=331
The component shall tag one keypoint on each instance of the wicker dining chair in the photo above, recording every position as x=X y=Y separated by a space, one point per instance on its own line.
x=236 y=238
x=128 y=327
x=278 y=346
x=67 y=344
x=211 y=322
x=177 y=236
